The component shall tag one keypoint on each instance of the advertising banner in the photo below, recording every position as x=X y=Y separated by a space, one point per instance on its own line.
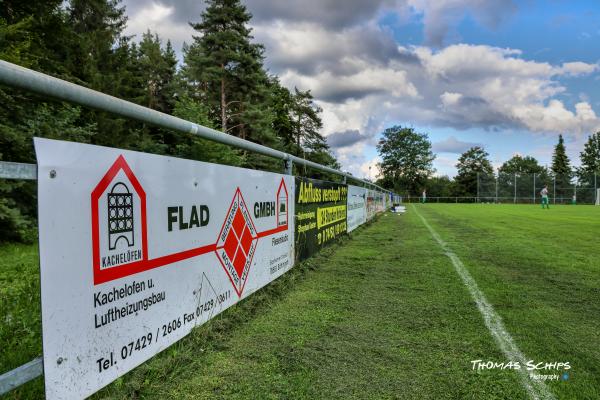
x=320 y=214
x=371 y=204
x=357 y=207
x=137 y=249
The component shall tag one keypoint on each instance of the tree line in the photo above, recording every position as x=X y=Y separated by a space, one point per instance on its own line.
x=221 y=83
x=407 y=165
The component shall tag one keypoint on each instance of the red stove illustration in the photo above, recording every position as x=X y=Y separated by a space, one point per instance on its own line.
x=120 y=233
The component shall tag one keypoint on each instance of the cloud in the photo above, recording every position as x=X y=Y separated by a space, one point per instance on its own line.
x=440 y=17
x=161 y=18
x=309 y=48
x=344 y=139
x=452 y=145
x=462 y=86
x=329 y=13
x=365 y=80
x=578 y=68
x=445 y=166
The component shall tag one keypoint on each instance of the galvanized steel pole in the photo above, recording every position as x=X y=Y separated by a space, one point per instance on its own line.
x=23 y=78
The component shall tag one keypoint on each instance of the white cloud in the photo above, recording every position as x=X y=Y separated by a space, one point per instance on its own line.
x=161 y=19
x=578 y=68
x=370 y=169
x=440 y=17
x=462 y=86
x=452 y=145
x=450 y=98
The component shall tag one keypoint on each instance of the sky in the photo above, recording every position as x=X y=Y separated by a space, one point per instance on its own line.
x=506 y=75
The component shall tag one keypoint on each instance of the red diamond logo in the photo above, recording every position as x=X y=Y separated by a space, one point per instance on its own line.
x=237 y=242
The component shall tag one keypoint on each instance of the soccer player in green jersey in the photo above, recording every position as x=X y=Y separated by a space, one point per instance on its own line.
x=544 y=194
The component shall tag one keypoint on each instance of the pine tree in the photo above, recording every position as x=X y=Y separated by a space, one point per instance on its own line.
x=560 y=160
x=157 y=68
x=32 y=35
x=225 y=69
x=590 y=156
x=561 y=167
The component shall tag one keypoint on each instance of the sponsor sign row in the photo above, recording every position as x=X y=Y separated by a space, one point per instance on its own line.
x=137 y=249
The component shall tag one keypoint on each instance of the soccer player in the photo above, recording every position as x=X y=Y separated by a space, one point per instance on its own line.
x=424 y=198
x=544 y=194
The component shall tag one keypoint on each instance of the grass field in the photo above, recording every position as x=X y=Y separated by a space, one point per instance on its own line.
x=381 y=315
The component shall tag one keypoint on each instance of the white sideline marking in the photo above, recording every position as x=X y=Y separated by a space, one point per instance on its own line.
x=536 y=388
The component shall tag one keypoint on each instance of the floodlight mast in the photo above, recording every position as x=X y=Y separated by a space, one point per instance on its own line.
x=23 y=78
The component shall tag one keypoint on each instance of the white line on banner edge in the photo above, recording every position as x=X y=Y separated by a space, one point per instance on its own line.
x=535 y=388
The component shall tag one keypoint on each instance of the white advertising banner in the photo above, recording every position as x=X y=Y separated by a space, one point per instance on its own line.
x=137 y=249
x=357 y=207
x=371 y=204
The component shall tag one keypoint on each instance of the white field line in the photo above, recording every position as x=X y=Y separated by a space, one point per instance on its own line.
x=536 y=388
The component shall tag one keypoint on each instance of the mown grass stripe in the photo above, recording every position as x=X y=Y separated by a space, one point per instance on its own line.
x=535 y=388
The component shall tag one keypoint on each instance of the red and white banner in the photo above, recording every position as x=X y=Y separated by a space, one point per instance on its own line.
x=137 y=249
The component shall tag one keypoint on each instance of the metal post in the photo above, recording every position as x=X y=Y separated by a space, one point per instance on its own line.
x=23 y=374
x=14 y=170
x=478 y=187
x=515 y=198
x=496 y=189
x=289 y=167
x=18 y=77
x=534 y=188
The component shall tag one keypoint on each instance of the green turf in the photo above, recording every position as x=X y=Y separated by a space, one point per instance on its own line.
x=540 y=269
x=20 y=319
x=381 y=315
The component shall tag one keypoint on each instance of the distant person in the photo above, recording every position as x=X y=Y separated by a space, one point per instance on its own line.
x=424 y=196
x=574 y=200
x=544 y=194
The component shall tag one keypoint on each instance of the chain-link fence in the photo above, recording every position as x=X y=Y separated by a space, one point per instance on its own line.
x=526 y=188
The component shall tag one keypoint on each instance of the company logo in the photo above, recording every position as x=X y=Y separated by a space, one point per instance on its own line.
x=119 y=238
x=120 y=216
x=282 y=204
x=237 y=242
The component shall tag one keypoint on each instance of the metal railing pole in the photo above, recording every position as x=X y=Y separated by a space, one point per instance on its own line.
x=23 y=374
x=289 y=167
x=478 y=187
x=37 y=82
x=14 y=170
x=515 y=198
x=534 y=188
x=496 y=189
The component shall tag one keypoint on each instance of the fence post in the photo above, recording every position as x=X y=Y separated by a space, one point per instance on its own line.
x=289 y=166
x=478 y=187
x=496 y=189
x=534 y=188
x=515 y=198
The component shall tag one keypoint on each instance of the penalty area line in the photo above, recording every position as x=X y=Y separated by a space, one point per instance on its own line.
x=535 y=388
